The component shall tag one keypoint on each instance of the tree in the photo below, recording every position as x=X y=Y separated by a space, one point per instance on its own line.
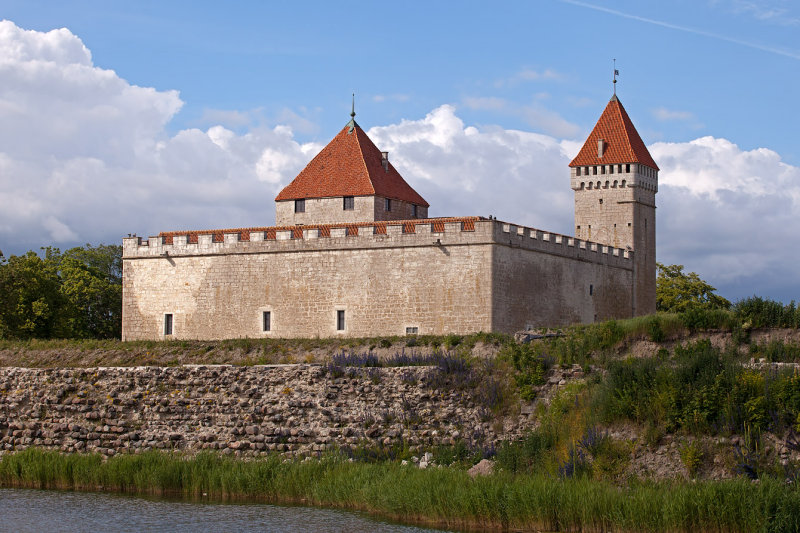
x=677 y=291
x=77 y=294
x=29 y=297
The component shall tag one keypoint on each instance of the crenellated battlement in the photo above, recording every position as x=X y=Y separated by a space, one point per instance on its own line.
x=440 y=232
x=562 y=245
x=613 y=177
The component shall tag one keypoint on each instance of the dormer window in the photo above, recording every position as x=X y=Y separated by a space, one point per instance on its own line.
x=349 y=203
x=300 y=206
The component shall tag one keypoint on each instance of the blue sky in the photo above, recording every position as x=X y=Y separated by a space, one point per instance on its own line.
x=710 y=85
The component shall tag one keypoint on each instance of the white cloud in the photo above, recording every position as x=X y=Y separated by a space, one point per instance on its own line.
x=537 y=116
x=527 y=75
x=514 y=175
x=730 y=214
x=398 y=97
x=662 y=113
x=85 y=157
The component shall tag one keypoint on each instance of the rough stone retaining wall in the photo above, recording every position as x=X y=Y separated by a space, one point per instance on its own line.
x=237 y=410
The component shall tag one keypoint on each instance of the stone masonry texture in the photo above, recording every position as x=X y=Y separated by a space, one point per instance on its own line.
x=254 y=410
x=437 y=277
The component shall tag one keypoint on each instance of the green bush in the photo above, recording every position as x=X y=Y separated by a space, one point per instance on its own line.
x=758 y=312
x=530 y=367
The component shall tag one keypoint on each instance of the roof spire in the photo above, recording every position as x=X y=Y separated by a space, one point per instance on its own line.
x=616 y=73
x=352 y=124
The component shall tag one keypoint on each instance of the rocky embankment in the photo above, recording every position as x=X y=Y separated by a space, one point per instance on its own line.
x=250 y=410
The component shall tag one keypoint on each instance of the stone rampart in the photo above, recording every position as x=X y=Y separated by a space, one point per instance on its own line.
x=254 y=410
x=434 y=276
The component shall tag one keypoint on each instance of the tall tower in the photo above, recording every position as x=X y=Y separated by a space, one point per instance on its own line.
x=615 y=181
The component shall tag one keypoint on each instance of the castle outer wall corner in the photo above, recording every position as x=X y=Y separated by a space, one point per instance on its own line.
x=541 y=279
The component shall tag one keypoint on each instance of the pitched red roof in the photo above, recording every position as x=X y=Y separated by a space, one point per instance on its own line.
x=350 y=165
x=622 y=141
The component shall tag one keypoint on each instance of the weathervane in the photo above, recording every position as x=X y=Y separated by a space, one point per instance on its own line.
x=352 y=122
x=616 y=73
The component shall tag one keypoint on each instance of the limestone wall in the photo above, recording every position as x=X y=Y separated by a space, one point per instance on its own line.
x=437 y=275
x=331 y=211
x=384 y=283
x=399 y=210
x=242 y=410
x=541 y=279
x=618 y=209
x=325 y=210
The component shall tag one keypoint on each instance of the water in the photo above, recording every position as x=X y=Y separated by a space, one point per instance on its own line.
x=24 y=511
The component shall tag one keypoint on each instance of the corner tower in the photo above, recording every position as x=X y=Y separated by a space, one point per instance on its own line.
x=615 y=181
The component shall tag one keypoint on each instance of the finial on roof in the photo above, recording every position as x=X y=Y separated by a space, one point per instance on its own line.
x=352 y=124
x=616 y=73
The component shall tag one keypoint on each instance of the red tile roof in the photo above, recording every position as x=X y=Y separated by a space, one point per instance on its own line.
x=622 y=141
x=350 y=165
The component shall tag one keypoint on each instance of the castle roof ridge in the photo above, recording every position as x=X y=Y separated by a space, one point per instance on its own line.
x=621 y=141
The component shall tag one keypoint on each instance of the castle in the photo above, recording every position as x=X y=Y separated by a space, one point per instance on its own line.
x=353 y=253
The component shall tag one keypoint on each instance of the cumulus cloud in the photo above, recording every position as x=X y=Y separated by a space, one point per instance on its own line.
x=85 y=157
x=730 y=214
x=84 y=154
x=513 y=175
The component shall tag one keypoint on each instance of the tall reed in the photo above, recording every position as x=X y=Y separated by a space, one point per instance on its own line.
x=447 y=497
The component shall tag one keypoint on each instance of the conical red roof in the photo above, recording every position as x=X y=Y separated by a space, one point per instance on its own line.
x=622 y=141
x=350 y=165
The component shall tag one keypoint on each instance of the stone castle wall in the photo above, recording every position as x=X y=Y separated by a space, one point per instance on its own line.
x=331 y=211
x=437 y=275
x=242 y=410
x=618 y=209
x=534 y=287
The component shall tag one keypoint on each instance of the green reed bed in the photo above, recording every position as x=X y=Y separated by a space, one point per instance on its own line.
x=446 y=497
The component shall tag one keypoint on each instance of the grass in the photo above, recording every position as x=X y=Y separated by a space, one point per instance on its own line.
x=263 y=346
x=446 y=497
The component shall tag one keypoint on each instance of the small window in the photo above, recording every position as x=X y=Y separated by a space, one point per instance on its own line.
x=627 y=168
x=266 y=321
x=578 y=171
x=413 y=211
x=591 y=289
x=300 y=206
x=168 y=324
x=340 y=320
x=412 y=330
x=388 y=204
x=349 y=203
x=601 y=201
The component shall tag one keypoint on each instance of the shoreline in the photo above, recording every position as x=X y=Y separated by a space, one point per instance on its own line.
x=437 y=497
